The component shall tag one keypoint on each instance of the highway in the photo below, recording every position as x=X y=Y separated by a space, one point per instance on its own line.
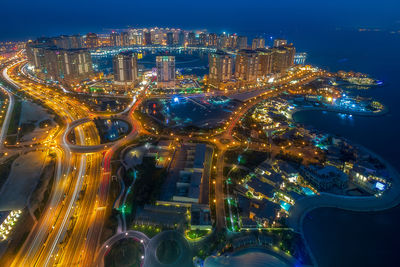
x=68 y=231
x=7 y=119
x=48 y=242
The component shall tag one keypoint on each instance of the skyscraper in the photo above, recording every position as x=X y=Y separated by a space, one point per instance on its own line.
x=223 y=41
x=213 y=40
x=265 y=61
x=241 y=42
x=125 y=41
x=279 y=42
x=65 y=65
x=92 y=40
x=147 y=38
x=68 y=41
x=258 y=43
x=221 y=68
x=165 y=71
x=246 y=67
x=191 y=39
x=125 y=68
x=203 y=39
x=283 y=58
x=181 y=38
x=115 y=39
x=170 y=38
x=136 y=37
x=232 y=41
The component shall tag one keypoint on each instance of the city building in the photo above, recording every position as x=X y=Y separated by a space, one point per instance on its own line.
x=220 y=68
x=265 y=61
x=222 y=41
x=192 y=39
x=67 y=65
x=125 y=68
x=115 y=39
x=203 y=39
x=280 y=42
x=170 y=38
x=212 y=40
x=324 y=178
x=181 y=38
x=283 y=58
x=104 y=39
x=69 y=41
x=232 y=41
x=125 y=40
x=92 y=41
x=136 y=37
x=165 y=71
x=300 y=58
x=241 y=42
x=147 y=38
x=247 y=66
x=368 y=180
x=258 y=43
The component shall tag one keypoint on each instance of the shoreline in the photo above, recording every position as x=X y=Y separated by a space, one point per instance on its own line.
x=349 y=203
x=343 y=111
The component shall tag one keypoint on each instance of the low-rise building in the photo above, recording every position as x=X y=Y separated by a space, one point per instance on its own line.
x=324 y=178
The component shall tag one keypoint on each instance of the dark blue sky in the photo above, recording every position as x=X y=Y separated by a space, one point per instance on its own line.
x=31 y=18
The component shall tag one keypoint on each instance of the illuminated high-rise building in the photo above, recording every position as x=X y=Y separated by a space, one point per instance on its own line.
x=147 y=38
x=265 y=58
x=135 y=37
x=192 y=39
x=69 y=41
x=220 y=68
x=203 y=39
x=165 y=71
x=258 y=43
x=223 y=41
x=92 y=41
x=170 y=38
x=181 y=38
x=300 y=58
x=125 y=41
x=212 y=40
x=64 y=65
x=115 y=39
x=232 y=42
x=241 y=42
x=280 y=42
x=246 y=67
x=125 y=68
x=283 y=58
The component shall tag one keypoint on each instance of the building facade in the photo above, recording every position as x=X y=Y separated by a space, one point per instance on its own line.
x=165 y=71
x=280 y=42
x=69 y=66
x=115 y=39
x=220 y=68
x=265 y=61
x=258 y=43
x=247 y=66
x=92 y=41
x=125 y=68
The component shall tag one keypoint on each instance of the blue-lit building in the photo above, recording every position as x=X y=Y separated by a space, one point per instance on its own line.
x=300 y=58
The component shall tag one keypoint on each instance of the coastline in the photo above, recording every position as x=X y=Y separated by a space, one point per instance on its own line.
x=343 y=111
x=389 y=200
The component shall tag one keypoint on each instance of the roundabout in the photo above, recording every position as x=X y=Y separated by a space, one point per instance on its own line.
x=116 y=129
